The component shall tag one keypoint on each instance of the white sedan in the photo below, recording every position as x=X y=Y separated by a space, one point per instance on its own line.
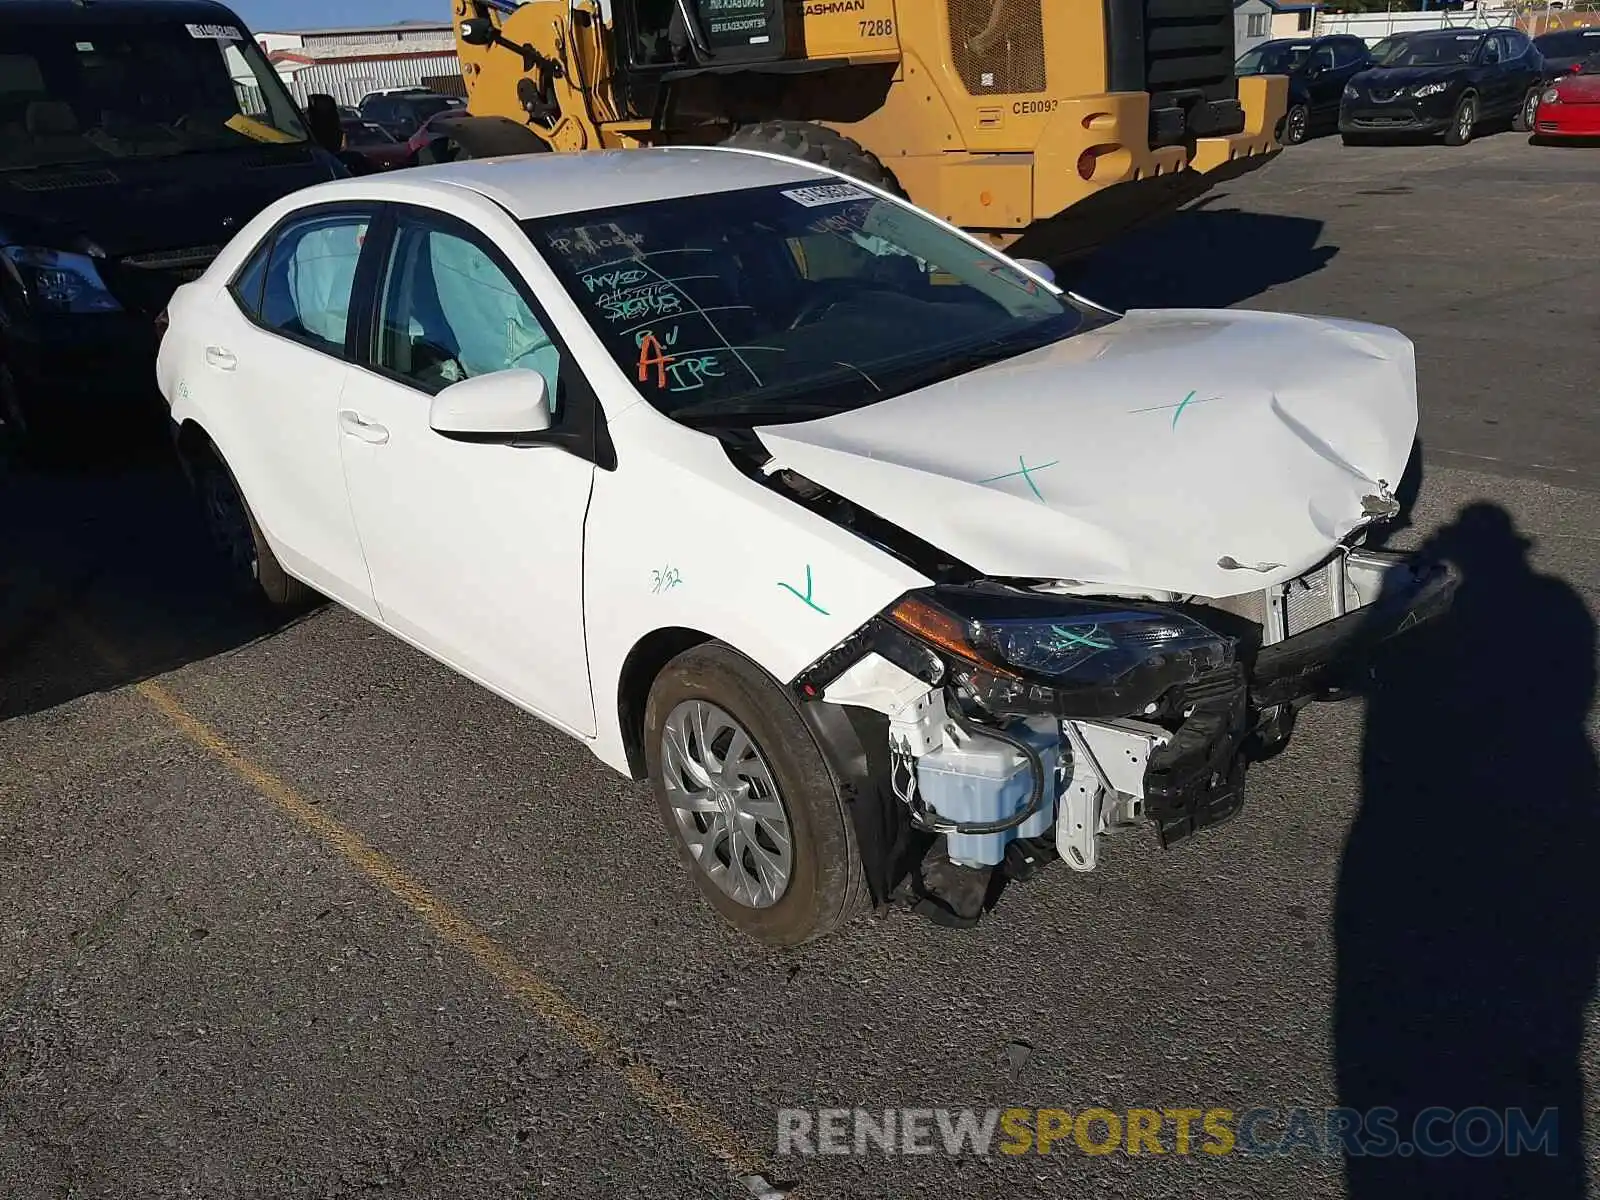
x=888 y=563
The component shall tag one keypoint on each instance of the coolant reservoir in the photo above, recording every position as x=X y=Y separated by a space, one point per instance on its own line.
x=973 y=779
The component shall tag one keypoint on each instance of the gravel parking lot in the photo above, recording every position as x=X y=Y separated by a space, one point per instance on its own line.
x=297 y=912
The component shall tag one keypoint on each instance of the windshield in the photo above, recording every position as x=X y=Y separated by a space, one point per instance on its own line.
x=1273 y=58
x=1432 y=50
x=791 y=302
x=1569 y=43
x=90 y=92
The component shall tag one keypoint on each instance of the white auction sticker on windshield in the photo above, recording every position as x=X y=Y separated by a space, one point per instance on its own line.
x=219 y=33
x=827 y=193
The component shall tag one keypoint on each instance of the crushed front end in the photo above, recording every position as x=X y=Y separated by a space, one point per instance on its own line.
x=1014 y=722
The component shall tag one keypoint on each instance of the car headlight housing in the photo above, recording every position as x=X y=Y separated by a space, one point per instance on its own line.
x=1028 y=653
x=1428 y=89
x=60 y=281
x=1550 y=96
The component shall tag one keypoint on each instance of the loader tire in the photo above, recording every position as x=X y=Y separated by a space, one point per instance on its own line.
x=482 y=137
x=817 y=144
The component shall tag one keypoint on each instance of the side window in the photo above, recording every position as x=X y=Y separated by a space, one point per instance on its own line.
x=1491 y=49
x=309 y=278
x=1322 y=56
x=449 y=312
x=250 y=282
x=1346 y=52
x=1518 y=45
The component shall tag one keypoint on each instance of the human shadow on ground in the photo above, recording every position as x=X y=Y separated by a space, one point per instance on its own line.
x=1466 y=938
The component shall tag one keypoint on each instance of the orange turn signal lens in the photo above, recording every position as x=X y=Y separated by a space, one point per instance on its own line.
x=938 y=628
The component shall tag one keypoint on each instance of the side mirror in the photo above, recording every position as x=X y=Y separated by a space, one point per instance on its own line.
x=499 y=407
x=322 y=120
x=1038 y=268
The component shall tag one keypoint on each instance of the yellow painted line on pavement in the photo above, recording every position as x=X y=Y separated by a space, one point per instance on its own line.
x=653 y=1091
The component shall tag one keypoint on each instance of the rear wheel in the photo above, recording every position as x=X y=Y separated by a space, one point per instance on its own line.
x=253 y=570
x=748 y=801
x=1296 y=125
x=1463 y=122
x=1528 y=112
x=817 y=144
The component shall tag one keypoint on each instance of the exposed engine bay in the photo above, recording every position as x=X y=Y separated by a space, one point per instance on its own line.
x=1026 y=720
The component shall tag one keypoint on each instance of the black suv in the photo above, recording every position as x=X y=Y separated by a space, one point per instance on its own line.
x=1445 y=81
x=1318 y=69
x=136 y=138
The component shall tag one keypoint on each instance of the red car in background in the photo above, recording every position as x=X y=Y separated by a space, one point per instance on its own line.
x=1570 y=107
x=375 y=144
x=434 y=127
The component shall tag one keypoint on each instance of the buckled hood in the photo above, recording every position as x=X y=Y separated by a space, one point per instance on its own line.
x=1202 y=452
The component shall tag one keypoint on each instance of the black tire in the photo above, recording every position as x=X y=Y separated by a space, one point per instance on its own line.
x=253 y=570
x=827 y=886
x=1523 y=121
x=817 y=144
x=1296 y=125
x=1462 y=122
x=29 y=432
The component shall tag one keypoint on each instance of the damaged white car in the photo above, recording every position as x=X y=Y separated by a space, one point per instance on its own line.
x=887 y=562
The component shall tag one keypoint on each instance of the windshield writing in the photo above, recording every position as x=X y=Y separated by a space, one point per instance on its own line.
x=93 y=93
x=791 y=302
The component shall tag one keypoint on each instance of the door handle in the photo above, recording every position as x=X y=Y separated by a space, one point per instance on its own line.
x=221 y=359
x=352 y=425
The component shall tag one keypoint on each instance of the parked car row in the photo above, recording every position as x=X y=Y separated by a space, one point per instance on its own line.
x=1450 y=83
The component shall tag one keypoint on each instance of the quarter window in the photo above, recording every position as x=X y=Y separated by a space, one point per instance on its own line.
x=309 y=278
x=450 y=312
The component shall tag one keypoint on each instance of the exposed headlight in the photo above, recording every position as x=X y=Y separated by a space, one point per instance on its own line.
x=60 y=281
x=1351 y=92
x=1428 y=89
x=1550 y=96
x=1072 y=657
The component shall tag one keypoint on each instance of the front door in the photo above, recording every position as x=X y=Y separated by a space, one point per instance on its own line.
x=475 y=551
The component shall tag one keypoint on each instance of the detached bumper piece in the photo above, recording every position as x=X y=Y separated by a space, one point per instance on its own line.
x=1329 y=656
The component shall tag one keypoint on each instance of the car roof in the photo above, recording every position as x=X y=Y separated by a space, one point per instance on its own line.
x=122 y=12
x=542 y=185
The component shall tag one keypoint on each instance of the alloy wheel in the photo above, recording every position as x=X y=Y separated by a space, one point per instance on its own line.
x=1298 y=122
x=725 y=803
x=1466 y=120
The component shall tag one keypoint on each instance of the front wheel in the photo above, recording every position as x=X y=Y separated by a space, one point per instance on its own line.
x=1529 y=111
x=818 y=144
x=1462 y=123
x=748 y=801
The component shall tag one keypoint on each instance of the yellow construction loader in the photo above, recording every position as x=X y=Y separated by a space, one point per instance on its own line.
x=1059 y=121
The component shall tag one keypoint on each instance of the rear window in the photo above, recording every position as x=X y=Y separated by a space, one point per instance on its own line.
x=1569 y=43
x=93 y=92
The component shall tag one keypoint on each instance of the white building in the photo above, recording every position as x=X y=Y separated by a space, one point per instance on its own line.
x=348 y=63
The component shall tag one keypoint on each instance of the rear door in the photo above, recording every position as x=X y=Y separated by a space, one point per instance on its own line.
x=1323 y=82
x=275 y=365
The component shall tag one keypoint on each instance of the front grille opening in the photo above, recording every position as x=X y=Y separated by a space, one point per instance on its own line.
x=998 y=46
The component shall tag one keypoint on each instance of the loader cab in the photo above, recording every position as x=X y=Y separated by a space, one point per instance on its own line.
x=660 y=36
